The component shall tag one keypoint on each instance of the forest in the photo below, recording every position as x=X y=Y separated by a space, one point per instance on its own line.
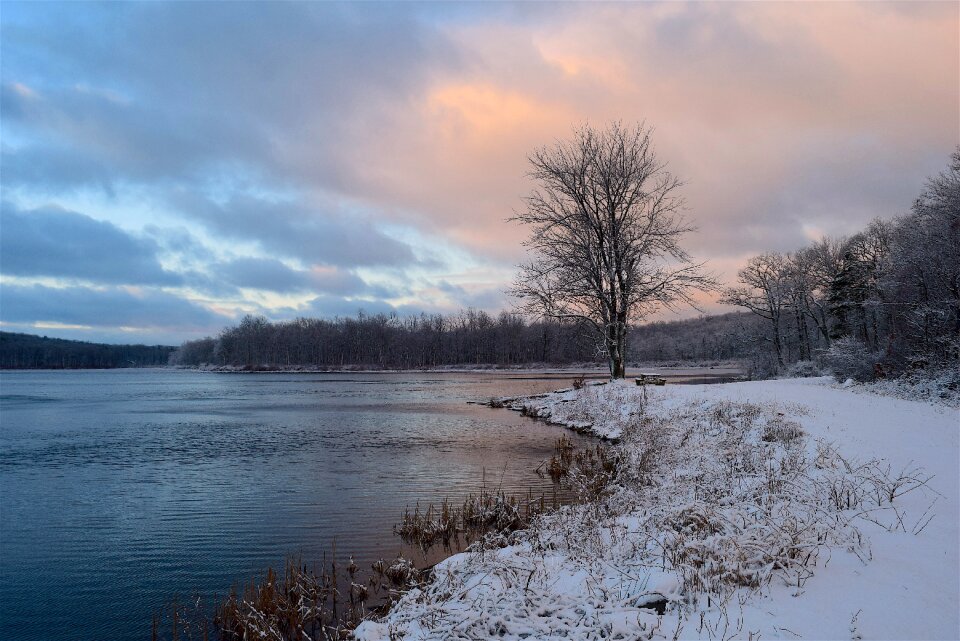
x=470 y=338
x=26 y=351
x=876 y=304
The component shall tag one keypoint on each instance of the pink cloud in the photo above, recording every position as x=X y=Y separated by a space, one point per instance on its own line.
x=752 y=104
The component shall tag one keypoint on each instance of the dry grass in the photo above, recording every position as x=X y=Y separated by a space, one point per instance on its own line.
x=486 y=513
x=590 y=471
x=559 y=464
x=301 y=604
x=493 y=515
x=781 y=430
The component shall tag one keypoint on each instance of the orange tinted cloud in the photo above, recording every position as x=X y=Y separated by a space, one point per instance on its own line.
x=781 y=118
x=480 y=115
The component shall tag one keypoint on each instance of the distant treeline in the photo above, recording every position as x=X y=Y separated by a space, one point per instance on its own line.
x=470 y=338
x=26 y=351
x=724 y=337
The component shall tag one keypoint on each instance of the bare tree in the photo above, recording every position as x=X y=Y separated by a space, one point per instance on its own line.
x=606 y=223
x=766 y=291
x=819 y=263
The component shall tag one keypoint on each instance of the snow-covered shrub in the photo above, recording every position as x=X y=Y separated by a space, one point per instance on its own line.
x=780 y=430
x=402 y=572
x=941 y=385
x=803 y=369
x=761 y=365
x=848 y=358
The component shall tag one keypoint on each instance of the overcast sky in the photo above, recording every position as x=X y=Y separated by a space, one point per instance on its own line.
x=167 y=168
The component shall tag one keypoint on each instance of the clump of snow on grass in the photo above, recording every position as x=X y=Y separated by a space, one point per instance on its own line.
x=739 y=511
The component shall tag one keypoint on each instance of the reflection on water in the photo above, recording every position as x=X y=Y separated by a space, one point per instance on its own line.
x=120 y=488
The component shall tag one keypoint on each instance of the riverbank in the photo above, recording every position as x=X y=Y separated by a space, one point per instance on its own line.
x=775 y=509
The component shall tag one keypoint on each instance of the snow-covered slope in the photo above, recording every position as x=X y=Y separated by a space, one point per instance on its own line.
x=753 y=510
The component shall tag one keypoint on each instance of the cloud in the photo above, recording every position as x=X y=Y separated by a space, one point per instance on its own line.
x=272 y=275
x=82 y=138
x=325 y=306
x=431 y=121
x=166 y=93
x=262 y=273
x=478 y=297
x=59 y=243
x=310 y=133
x=326 y=235
x=105 y=308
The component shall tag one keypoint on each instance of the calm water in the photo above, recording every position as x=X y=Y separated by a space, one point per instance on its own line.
x=119 y=489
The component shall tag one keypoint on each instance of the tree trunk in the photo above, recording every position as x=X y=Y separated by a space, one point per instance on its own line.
x=777 y=346
x=617 y=349
x=802 y=337
x=619 y=368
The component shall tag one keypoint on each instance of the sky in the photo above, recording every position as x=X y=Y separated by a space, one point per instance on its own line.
x=167 y=168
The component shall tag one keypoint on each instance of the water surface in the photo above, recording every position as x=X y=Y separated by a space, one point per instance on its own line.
x=121 y=488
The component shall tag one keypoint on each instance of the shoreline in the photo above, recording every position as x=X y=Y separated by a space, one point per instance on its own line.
x=842 y=589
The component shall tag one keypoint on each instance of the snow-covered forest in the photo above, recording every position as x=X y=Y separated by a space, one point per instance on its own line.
x=876 y=304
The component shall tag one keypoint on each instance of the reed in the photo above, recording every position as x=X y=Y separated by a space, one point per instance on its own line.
x=320 y=604
x=300 y=603
x=591 y=470
x=558 y=467
x=487 y=512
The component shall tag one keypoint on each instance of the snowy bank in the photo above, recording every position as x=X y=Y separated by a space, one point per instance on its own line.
x=776 y=509
x=938 y=387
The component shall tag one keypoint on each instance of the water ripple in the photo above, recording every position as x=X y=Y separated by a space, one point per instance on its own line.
x=121 y=489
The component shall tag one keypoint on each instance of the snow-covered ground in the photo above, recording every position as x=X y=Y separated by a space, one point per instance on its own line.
x=747 y=510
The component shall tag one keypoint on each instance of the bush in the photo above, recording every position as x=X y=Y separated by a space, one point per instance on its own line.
x=761 y=365
x=803 y=369
x=850 y=358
